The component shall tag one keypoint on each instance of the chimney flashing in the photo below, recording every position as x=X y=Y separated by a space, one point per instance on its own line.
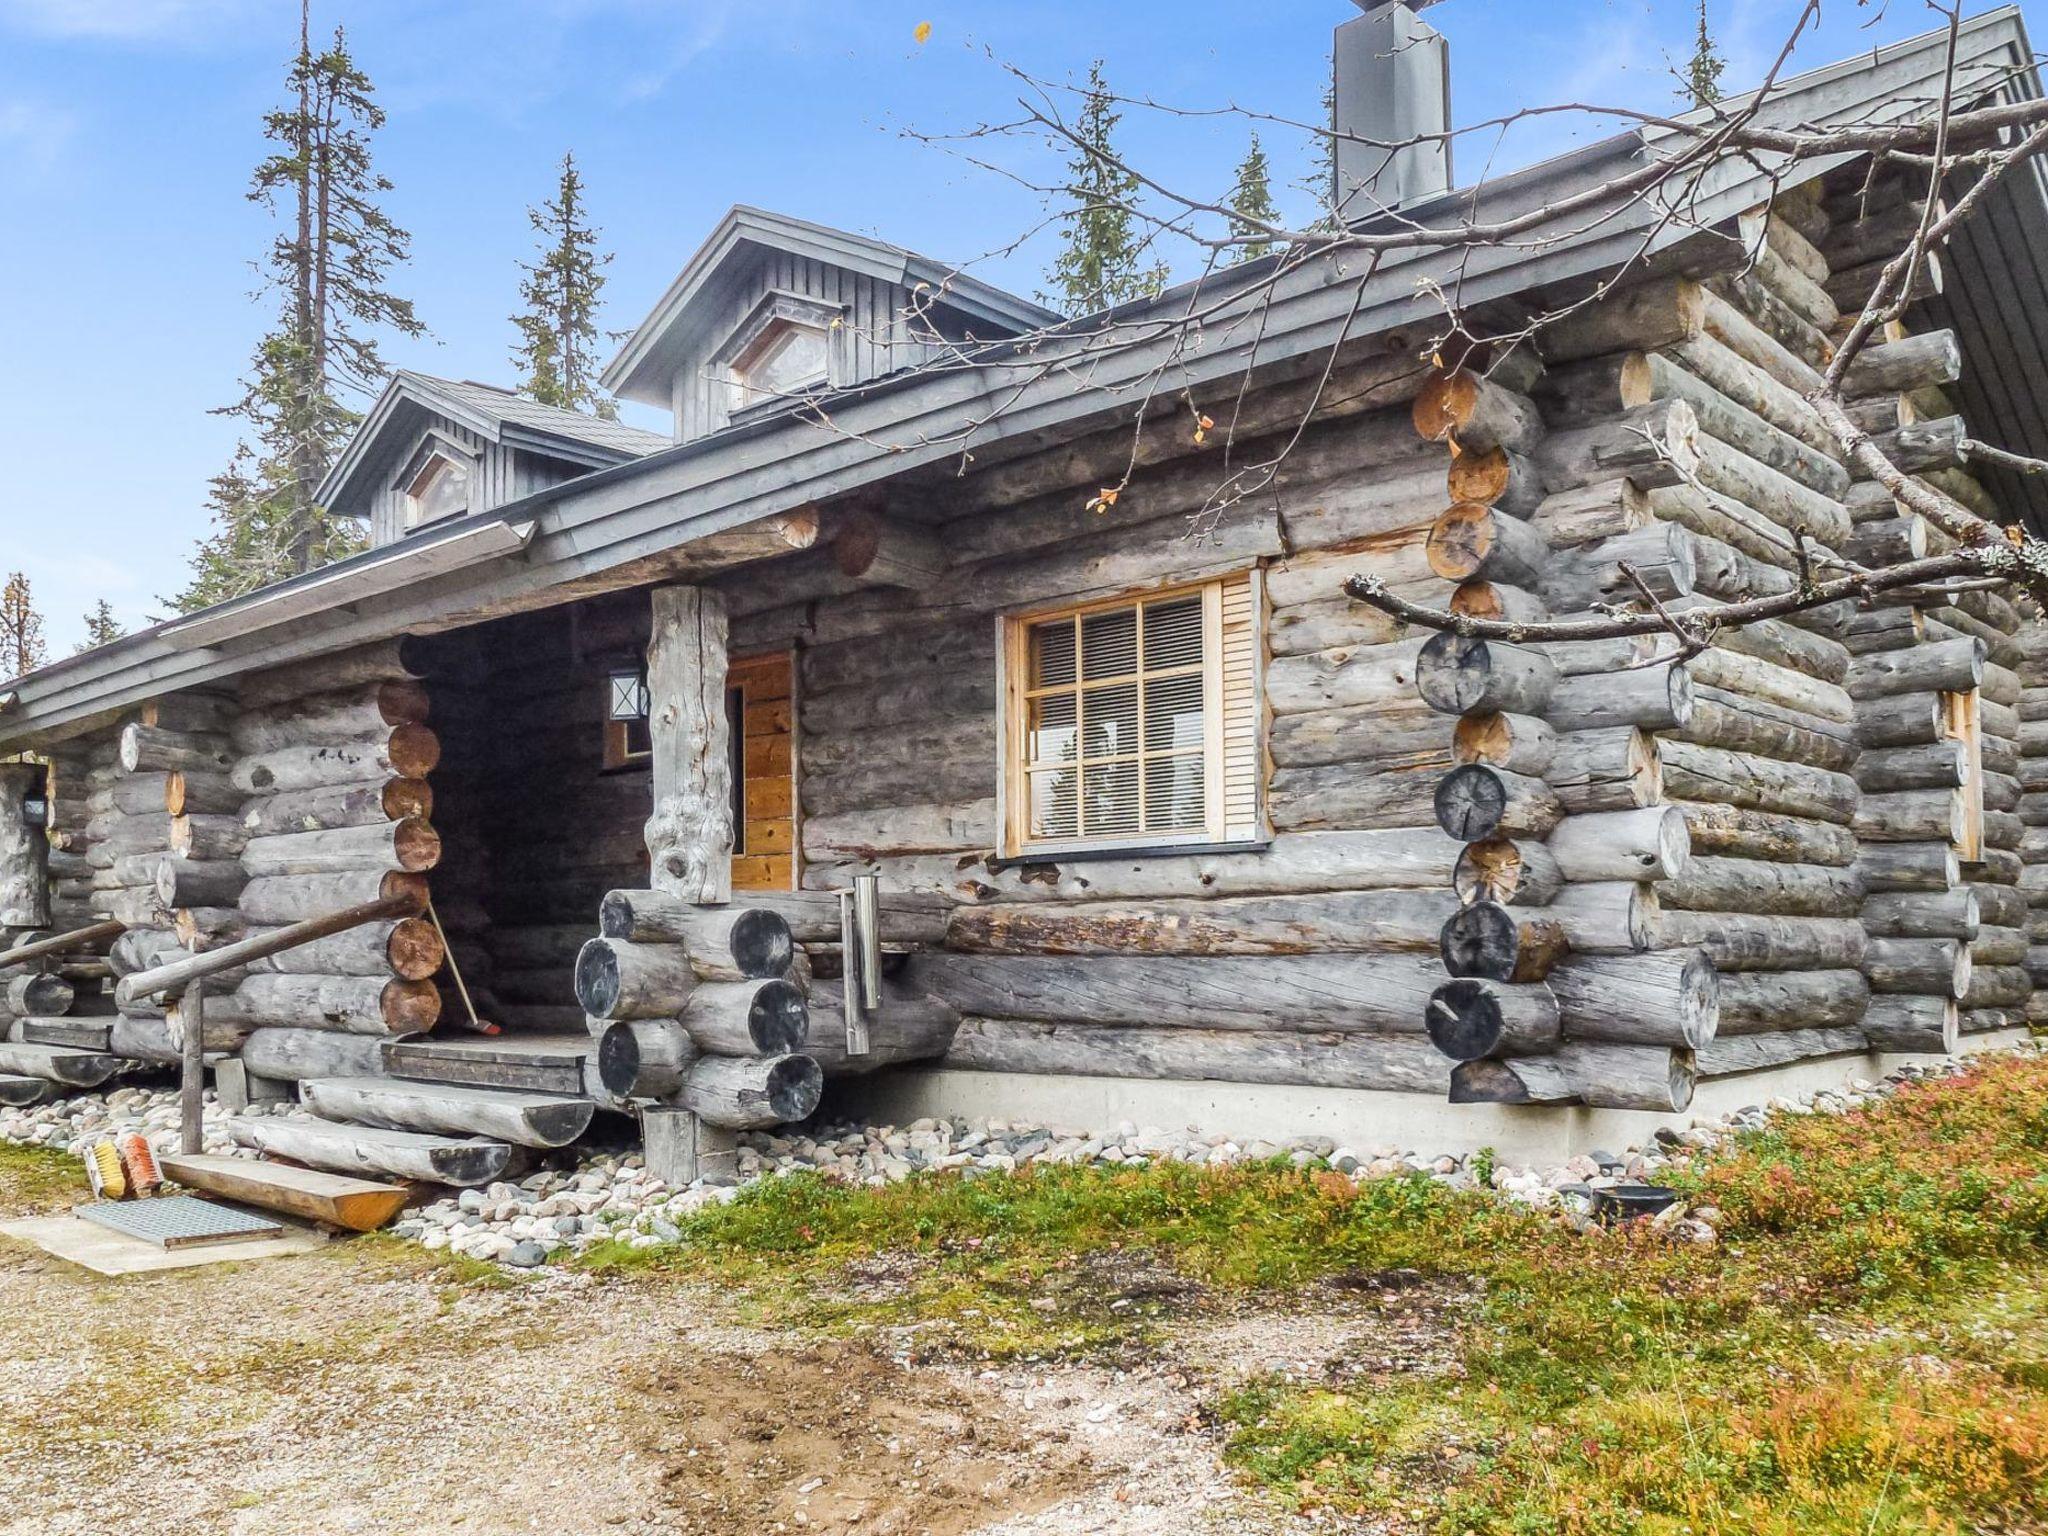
x=1392 y=75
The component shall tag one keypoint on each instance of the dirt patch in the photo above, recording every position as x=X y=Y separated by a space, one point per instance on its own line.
x=837 y=1440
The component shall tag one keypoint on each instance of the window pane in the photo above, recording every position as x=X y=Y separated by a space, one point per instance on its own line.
x=1173 y=713
x=1054 y=804
x=1052 y=653
x=1109 y=720
x=793 y=361
x=1109 y=643
x=1052 y=729
x=1175 y=798
x=1110 y=800
x=1173 y=634
x=441 y=489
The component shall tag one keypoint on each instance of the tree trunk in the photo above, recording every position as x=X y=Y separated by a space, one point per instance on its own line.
x=690 y=835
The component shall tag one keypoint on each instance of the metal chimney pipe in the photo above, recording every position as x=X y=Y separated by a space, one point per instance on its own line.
x=1393 y=82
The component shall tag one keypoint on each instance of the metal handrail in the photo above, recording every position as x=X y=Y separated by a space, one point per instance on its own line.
x=172 y=978
x=57 y=943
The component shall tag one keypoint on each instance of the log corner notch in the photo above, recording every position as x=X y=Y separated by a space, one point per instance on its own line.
x=690 y=834
x=24 y=850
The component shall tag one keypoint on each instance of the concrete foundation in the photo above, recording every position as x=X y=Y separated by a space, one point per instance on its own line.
x=1351 y=1117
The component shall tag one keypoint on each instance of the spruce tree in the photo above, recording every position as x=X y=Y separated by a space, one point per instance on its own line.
x=1251 y=204
x=1702 y=75
x=21 y=629
x=1321 y=181
x=558 y=334
x=1102 y=262
x=101 y=627
x=327 y=270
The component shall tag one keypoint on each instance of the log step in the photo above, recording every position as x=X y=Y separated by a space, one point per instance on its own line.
x=367 y=1149
x=539 y=1064
x=354 y=1205
x=59 y=1064
x=398 y=1104
x=20 y=1092
x=76 y=1034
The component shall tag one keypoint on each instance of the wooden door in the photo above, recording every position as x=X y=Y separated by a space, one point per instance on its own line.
x=761 y=704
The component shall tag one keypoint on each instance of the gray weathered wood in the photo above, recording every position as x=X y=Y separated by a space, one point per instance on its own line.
x=752 y=1092
x=524 y=1119
x=466 y=1162
x=690 y=834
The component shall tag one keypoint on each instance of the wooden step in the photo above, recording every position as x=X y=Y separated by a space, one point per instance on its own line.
x=58 y=1064
x=20 y=1092
x=537 y=1064
x=354 y=1205
x=366 y=1149
x=529 y=1119
x=74 y=1033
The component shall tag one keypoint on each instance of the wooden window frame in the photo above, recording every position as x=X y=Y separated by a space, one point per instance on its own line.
x=1960 y=720
x=1013 y=695
x=431 y=446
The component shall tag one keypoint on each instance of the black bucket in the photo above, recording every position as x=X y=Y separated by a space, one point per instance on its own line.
x=1631 y=1202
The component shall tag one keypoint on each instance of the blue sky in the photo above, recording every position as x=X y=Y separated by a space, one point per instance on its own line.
x=128 y=128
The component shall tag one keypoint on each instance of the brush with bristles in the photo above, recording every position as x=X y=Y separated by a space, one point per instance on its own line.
x=138 y=1163
x=103 y=1171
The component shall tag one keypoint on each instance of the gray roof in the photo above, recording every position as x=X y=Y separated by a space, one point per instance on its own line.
x=1298 y=308
x=637 y=373
x=494 y=414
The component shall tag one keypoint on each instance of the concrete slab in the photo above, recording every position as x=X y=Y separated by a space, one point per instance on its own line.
x=1353 y=1117
x=106 y=1252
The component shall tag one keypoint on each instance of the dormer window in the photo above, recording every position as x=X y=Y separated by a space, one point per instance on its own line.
x=438 y=488
x=786 y=348
x=786 y=359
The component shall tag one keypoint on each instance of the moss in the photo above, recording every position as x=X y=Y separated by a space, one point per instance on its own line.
x=38 y=1178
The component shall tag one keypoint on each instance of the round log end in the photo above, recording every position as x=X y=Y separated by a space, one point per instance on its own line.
x=1481 y=939
x=415 y=844
x=1460 y=540
x=778 y=1018
x=1470 y=802
x=1699 y=1003
x=401 y=885
x=598 y=982
x=1487 y=1082
x=615 y=915
x=857 y=542
x=405 y=798
x=414 y=751
x=1464 y=1020
x=411 y=1006
x=761 y=943
x=174 y=795
x=795 y=1085
x=1488 y=871
x=618 y=1059
x=414 y=948
x=131 y=747
x=1444 y=405
x=1481 y=477
x=402 y=702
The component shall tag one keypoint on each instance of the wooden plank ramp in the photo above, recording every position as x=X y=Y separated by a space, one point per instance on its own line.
x=354 y=1205
x=370 y=1149
x=77 y=1034
x=527 y=1119
x=534 y=1063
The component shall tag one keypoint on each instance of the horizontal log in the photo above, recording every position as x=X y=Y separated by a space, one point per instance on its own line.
x=1382 y=993
x=1744 y=941
x=908 y=1027
x=198 y=883
x=409 y=947
x=752 y=1092
x=1606 y=917
x=1474 y=413
x=408 y=752
x=362 y=1005
x=1488 y=940
x=1707 y=774
x=334 y=806
x=1652 y=698
x=522 y=1118
x=1327 y=680
x=1320 y=923
x=1475 y=802
x=764 y=1017
x=1936 y=765
x=1762 y=1002
x=156 y=749
x=410 y=845
x=1656 y=444
x=1460 y=675
x=1519 y=743
x=644 y=1058
x=1476 y=542
x=1908 y=866
x=1594 y=1074
x=1952 y=666
x=1934 y=967
x=620 y=979
x=1648 y=844
x=1903 y=1022
x=1938 y=914
x=1616 y=997
x=279 y=899
x=1617 y=768
x=1708 y=884
x=1505 y=870
x=1778 y=1048
x=339 y=718
x=1911 y=816
x=1284 y=1058
x=735 y=943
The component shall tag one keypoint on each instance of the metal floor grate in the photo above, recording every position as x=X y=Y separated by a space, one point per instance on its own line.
x=179 y=1221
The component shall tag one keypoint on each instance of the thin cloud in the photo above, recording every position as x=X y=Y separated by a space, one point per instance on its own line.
x=119 y=20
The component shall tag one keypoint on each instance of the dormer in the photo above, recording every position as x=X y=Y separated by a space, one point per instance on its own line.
x=435 y=449
x=774 y=311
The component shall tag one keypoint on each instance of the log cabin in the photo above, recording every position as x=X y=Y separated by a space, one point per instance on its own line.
x=944 y=715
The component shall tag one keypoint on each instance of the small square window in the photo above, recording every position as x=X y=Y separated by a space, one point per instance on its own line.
x=787 y=359
x=440 y=489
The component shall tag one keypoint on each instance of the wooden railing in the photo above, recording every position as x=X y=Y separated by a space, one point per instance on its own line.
x=185 y=981
x=58 y=943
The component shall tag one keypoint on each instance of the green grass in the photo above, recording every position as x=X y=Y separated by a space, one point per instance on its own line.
x=37 y=1178
x=1866 y=1352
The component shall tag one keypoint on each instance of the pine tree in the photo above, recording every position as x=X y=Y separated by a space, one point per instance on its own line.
x=327 y=270
x=1702 y=75
x=101 y=627
x=1251 y=204
x=558 y=334
x=1321 y=181
x=1103 y=261
x=21 y=629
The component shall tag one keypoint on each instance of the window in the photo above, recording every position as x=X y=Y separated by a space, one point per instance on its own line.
x=786 y=359
x=628 y=741
x=1133 y=722
x=439 y=489
x=758 y=698
x=1960 y=721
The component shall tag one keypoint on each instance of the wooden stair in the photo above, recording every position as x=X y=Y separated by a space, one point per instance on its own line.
x=77 y=1034
x=403 y=1104
x=58 y=1064
x=533 y=1063
x=354 y=1205
x=360 y=1149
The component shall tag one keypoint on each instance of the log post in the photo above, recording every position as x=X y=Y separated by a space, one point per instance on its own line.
x=24 y=850
x=690 y=834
